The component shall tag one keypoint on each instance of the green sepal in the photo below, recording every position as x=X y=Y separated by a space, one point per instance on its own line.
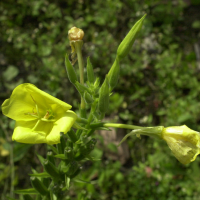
x=128 y=41
x=51 y=170
x=103 y=103
x=39 y=186
x=26 y=191
x=113 y=74
x=72 y=135
x=70 y=70
x=27 y=197
x=90 y=72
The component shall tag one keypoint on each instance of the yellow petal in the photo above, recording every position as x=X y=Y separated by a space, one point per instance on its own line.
x=23 y=133
x=18 y=104
x=24 y=99
x=44 y=98
x=61 y=125
x=183 y=150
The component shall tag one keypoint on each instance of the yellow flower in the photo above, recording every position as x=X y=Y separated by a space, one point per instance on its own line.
x=183 y=141
x=39 y=116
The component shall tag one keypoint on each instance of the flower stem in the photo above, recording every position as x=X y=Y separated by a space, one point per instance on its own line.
x=114 y=125
x=78 y=45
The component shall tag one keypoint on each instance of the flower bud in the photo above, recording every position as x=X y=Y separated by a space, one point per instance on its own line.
x=88 y=98
x=75 y=34
x=183 y=142
x=90 y=71
x=113 y=74
x=38 y=185
x=128 y=41
x=51 y=170
x=69 y=154
x=72 y=135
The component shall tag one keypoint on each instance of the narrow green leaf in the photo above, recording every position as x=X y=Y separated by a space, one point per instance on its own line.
x=26 y=191
x=81 y=181
x=70 y=70
x=40 y=158
x=41 y=175
x=61 y=156
x=53 y=149
x=67 y=182
x=128 y=41
x=90 y=71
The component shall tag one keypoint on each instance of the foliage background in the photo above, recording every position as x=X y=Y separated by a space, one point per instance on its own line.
x=159 y=85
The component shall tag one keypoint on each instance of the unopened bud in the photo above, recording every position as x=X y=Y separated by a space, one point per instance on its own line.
x=128 y=41
x=183 y=141
x=75 y=34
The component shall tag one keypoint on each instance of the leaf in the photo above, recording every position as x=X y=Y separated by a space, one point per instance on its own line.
x=53 y=149
x=81 y=181
x=26 y=191
x=61 y=156
x=40 y=158
x=67 y=182
x=41 y=175
x=77 y=126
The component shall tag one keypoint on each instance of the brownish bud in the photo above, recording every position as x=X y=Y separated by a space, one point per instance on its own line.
x=75 y=34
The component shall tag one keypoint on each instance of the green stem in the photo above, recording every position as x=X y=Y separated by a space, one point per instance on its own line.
x=12 y=171
x=122 y=126
x=78 y=45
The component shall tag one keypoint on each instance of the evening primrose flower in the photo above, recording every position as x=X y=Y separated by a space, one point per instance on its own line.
x=183 y=141
x=39 y=116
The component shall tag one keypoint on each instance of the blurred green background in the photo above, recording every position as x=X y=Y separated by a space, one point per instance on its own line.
x=159 y=85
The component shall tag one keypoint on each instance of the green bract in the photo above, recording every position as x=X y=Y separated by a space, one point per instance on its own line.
x=39 y=116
